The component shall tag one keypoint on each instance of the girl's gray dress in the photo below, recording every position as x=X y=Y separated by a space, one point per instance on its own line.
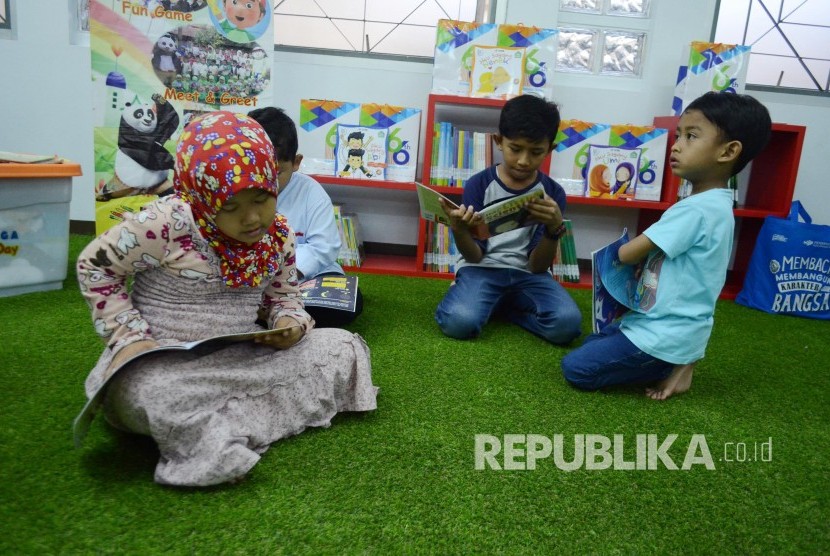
x=213 y=414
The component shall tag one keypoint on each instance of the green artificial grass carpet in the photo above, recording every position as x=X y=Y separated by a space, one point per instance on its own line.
x=402 y=479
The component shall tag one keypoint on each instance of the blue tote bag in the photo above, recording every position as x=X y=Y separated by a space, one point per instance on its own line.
x=789 y=272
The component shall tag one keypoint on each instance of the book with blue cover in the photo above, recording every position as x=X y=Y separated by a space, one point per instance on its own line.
x=615 y=286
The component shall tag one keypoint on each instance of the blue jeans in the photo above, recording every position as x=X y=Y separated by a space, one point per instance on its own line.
x=609 y=358
x=536 y=302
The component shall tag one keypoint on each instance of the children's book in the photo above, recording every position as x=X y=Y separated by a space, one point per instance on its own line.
x=612 y=172
x=497 y=72
x=361 y=152
x=500 y=217
x=199 y=347
x=333 y=292
x=615 y=286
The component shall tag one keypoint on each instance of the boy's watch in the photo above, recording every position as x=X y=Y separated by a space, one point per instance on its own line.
x=557 y=233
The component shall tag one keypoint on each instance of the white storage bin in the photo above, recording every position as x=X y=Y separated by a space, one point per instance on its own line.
x=34 y=226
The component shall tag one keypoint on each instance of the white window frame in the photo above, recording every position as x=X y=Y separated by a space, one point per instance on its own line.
x=486 y=11
x=8 y=27
x=778 y=22
x=78 y=24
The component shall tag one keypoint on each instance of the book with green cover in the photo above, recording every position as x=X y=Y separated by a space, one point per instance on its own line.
x=499 y=217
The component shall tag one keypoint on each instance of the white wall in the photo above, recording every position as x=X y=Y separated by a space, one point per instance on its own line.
x=46 y=92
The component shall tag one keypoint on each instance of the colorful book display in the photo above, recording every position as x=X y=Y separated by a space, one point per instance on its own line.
x=458 y=154
x=612 y=172
x=440 y=253
x=317 y=132
x=570 y=158
x=709 y=66
x=455 y=53
x=403 y=126
x=319 y=138
x=652 y=143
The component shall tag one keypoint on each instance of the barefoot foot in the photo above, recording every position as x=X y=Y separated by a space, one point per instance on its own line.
x=677 y=382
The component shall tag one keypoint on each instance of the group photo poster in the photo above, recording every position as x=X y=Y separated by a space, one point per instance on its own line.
x=155 y=65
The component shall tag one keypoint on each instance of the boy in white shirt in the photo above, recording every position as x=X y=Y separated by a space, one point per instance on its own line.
x=310 y=214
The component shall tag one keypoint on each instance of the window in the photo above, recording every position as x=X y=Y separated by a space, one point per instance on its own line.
x=402 y=27
x=82 y=15
x=613 y=41
x=5 y=15
x=790 y=40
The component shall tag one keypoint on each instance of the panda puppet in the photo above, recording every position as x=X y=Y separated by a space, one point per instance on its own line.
x=166 y=60
x=142 y=164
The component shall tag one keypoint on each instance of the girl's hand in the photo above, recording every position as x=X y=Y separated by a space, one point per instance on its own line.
x=283 y=339
x=129 y=351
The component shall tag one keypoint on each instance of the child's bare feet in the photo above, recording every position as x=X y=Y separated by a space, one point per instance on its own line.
x=677 y=382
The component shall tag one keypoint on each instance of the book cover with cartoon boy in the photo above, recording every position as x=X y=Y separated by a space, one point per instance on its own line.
x=361 y=152
x=497 y=72
x=404 y=132
x=612 y=172
x=317 y=132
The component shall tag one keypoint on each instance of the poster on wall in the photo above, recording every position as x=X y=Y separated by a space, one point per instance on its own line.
x=156 y=64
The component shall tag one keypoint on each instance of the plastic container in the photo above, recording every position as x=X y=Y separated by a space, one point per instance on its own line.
x=34 y=226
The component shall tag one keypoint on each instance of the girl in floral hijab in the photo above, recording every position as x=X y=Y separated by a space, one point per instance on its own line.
x=208 y=261
x=218 y=156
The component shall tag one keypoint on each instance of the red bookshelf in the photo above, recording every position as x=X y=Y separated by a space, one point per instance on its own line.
x=769 y=191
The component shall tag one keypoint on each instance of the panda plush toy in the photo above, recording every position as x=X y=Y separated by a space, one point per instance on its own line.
x=142 y=164
x=166 y=60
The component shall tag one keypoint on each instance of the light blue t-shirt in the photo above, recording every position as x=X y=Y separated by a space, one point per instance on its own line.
x=683 y=278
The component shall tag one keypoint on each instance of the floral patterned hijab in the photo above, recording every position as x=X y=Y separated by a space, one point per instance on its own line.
x=218 y=155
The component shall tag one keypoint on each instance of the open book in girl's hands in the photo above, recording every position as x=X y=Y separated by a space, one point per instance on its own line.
x=616 y=287
x=199 y=347
x=499 y=217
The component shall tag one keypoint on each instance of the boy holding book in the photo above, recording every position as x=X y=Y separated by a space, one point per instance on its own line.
x=310 y=214
x=687 y=253
x=507 y=274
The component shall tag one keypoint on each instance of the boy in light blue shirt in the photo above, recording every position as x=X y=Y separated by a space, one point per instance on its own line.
x=686 y=252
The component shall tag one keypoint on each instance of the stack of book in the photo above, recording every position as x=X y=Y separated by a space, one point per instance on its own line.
x=565 y=267
x=440 y=253
x=351 y=243
x=458 y=154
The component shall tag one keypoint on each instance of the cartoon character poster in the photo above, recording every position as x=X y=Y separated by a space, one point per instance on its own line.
x=156 y=64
